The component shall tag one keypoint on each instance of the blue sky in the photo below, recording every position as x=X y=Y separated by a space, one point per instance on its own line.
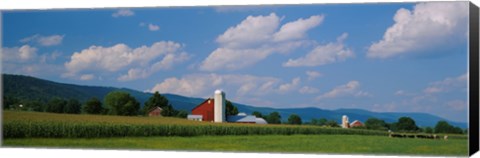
x=400 y=57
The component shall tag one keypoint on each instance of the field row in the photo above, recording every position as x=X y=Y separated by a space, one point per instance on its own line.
x=45 y=125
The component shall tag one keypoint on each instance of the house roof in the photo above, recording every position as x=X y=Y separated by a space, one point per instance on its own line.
x=202 y=103
x=156 y=107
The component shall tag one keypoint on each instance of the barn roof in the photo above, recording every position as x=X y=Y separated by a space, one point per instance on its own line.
x=202 y=103
x=156 y=107
x=356 y=121
x=260 y=121
x=237 y=118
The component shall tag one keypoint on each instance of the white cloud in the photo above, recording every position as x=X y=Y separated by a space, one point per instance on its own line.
x=289 y=86
x=21 y=54
x=159 y=56
x=457 y=105
x=153 y=27
x=428 y=26
x=87 y=77
x=323 y=54
x=26 y=60
x=351 y=88
x=313 y=74
x=123 y=13
x=201 y=85
x=44 y=40
x=251 y=31
x=253 y=40
x=297 y=29
x=166 y=63
x=308 y=90
x=242 y=85
x=447 y=84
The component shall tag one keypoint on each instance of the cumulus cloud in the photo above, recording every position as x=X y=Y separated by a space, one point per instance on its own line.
x=457 y=105
x=150 y=26
x=313 y=74
x=289 y=86
x=427 y=26
x=44 y=40
x=351 y=88
x=308 y=90
x=153 y=27
x=323 y=54
x=27 y=60
x=87 y=77
x=201 y=84
x=140 y=61
x=256 y=38
x=297 y=29
x=21 y=54
x=123 y=13
x=447 y=84
x=242 y=85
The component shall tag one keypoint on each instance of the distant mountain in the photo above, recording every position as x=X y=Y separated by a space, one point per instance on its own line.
x=25 y=87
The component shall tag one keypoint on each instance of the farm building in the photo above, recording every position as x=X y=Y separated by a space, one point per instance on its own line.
x=203 y=111
x=155 y=111
x=244 y=118
x=356 y=123
x=213 y=110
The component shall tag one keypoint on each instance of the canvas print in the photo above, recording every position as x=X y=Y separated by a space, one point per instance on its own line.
x=369 y=79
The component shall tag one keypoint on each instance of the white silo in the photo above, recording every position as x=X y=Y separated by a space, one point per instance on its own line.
x=219 y=106
x=345 y=121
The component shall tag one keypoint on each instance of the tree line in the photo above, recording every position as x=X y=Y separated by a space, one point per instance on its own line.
x=114 y=103
x=404 y=124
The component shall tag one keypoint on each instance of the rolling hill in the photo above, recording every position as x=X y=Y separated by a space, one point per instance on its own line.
x=26 y=87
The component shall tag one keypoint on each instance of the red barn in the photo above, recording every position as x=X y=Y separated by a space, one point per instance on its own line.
x=356 y=123
x=205 y=109
x=156 y=111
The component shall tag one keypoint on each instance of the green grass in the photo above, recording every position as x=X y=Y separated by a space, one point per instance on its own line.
x=351 y=144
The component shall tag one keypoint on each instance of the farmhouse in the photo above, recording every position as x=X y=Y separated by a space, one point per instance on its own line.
x=155 y=111
x=213 y=110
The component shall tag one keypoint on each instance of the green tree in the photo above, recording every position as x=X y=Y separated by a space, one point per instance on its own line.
x=56 y=105
x=375 y=124
x=274 y=118
x=34 y=105
x=158 y=100
x=230 y=108
x=182 y=114
x=92 y=106
x=294 y=119
x=257 y=114
x=73 y=106
x=155 y=100
x=169 y=111
x=445 y=127
x=9 y=101
x=121 y=103
x=332 y=123
x=406 y=124
x=429 y=130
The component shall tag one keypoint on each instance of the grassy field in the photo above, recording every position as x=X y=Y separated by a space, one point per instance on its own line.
x=351 y=144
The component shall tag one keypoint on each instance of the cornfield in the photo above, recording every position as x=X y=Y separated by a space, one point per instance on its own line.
x=45 y=125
